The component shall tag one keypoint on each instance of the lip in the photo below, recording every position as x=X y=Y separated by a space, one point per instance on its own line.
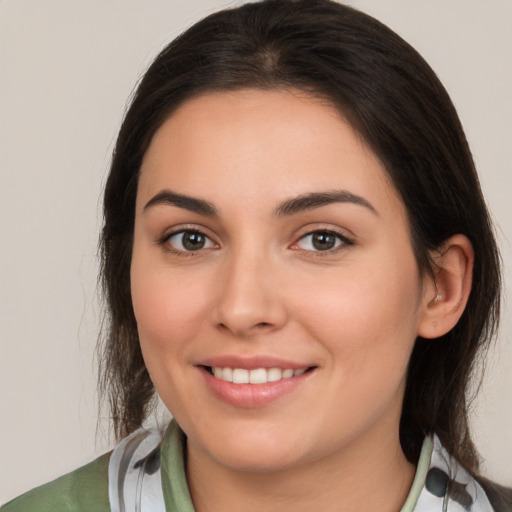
x=249 y=396
x=252 y=362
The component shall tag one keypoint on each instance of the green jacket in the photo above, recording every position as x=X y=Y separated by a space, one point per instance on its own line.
x=83 y=490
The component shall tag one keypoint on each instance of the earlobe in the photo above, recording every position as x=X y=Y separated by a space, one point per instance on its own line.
x=446 y=296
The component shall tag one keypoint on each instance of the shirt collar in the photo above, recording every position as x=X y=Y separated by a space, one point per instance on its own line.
x=440 y=484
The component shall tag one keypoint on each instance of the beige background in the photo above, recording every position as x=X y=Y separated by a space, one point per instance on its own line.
x=66 y=69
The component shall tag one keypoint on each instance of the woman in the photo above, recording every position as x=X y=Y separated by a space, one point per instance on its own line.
x=298 y=258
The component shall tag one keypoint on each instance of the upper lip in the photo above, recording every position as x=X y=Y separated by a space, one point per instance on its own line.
x=251 y=362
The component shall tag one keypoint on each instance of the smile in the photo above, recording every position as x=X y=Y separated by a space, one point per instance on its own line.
x=256 y=376
x=256 y=386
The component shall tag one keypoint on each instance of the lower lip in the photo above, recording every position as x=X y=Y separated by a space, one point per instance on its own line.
x=252 y=395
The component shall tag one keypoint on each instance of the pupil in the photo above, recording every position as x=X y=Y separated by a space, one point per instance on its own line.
x=193 y=241
x=323 y=241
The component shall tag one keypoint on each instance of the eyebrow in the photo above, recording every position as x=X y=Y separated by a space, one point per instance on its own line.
x=318 y=199
x=167 y=197
x=289 y=207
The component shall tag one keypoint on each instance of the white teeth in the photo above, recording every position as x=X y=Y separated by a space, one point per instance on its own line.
x=287 y=374
x=240 y=376
x=274 y=374
x=227 y=374
x=257 y=376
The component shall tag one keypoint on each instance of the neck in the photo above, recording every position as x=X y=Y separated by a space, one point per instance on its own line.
x=368 y=475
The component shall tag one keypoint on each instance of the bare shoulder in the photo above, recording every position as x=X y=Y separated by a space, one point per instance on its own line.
x=82 y=490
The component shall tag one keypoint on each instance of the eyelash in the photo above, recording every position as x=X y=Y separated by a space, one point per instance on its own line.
x=164 y=242
x=342 y=242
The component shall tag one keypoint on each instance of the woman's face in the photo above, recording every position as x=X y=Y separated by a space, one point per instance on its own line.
x=270 y=246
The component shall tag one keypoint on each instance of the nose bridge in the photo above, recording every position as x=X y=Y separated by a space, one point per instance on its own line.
x=248 y=301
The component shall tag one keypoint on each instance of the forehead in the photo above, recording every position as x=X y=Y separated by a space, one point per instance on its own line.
x=255 y=145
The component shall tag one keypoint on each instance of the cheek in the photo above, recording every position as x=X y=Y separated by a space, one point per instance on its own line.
x=366 y=317
x=168 y=308
x=367 y=322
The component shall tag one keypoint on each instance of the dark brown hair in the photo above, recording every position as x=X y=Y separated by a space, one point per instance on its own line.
x=390 y=95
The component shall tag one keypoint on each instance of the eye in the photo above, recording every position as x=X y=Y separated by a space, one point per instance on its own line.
x=189 y=241
x=322 y=241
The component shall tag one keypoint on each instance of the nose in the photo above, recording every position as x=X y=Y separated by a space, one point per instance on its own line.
x=249 y=302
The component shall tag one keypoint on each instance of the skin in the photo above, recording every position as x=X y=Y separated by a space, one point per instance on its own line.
x=260 y=287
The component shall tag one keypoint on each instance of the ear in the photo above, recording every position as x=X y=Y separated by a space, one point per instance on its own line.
x=445 y=297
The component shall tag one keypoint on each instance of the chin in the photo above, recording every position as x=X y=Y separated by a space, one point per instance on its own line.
x=253 y=450
x=257 y=459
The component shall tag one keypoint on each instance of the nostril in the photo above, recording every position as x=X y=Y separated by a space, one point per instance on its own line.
x=255 y=327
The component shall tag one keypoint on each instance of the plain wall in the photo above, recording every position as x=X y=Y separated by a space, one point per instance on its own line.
x=67 y=68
